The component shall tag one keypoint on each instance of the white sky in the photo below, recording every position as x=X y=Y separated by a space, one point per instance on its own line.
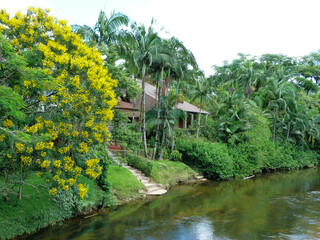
x=214 y=30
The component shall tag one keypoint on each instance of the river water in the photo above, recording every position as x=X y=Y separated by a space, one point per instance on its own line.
x=271 y=206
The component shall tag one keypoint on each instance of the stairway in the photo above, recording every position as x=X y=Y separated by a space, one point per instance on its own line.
x=153 y=189
x=201 y=178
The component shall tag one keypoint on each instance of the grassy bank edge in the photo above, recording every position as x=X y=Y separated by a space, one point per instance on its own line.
x=39 y=211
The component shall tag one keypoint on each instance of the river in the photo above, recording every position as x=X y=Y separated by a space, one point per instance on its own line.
x=271 y=206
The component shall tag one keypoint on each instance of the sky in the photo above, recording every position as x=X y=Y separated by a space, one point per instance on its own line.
x=214 y=30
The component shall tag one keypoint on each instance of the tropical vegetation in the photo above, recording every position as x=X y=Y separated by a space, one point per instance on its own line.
x=59 y=86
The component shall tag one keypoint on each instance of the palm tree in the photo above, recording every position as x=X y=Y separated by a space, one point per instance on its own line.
x=169 y=119
x=201 y=90
x=139 y=47
x=182 y=59
x=280 y=95
x=105 y=30
x=161 y=61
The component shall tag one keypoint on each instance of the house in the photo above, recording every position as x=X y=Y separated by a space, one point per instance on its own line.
x=132 y=110
x=151 y=100
x=128 y=109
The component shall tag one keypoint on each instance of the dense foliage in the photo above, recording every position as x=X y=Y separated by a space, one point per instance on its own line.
x=57 y=97
x=210 y=158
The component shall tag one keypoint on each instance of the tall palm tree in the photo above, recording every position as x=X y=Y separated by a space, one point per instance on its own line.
x=162 y=60
x=139 y=47
x=279 y=94
x=169 y=119
x=201 y=90
x=182 y=58
x=105 y=30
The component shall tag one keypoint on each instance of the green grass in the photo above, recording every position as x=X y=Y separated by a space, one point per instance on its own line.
x=39 y=209
x=29 y=214
x=94 y=197
x=124 y=184
x=170 y=172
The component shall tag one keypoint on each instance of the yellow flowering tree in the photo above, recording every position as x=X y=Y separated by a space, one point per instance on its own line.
x=68 y=97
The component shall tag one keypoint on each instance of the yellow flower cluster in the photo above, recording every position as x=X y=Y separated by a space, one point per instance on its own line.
x=42 y=98
x=90 y=122
x=19 y=147
x=82 y=190
x=29 y=150
x=71 y=181
x=57 y=163
x=64 y=150
x=83 y=95
x=45 y=163
x=65 y=129
x=68 y=164
x=85 y=134
x=26 y=160
x=93 y=169
x=53 y=191
x=2 y=137
x=7 y=123
x=40 y=146
x=77 y=172
x=49 y=145
x=83 y=147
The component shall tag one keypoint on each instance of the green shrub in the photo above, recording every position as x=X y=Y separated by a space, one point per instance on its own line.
x=176 y=156
x=141 y=163
x=211 y=158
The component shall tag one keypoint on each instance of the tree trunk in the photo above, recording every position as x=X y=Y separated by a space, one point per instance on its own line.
x=199 y=117
x=164 y=124
x=173 y=136
x=140 y=123
x=143 y=110
x=288 y=133
x=158 y=115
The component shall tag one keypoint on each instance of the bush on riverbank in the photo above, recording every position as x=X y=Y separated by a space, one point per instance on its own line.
x=256 y=152
x=222 y=161
x=140 y=163
x=210 y=158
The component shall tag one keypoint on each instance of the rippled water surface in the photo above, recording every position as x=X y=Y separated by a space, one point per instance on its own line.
x=274 y=206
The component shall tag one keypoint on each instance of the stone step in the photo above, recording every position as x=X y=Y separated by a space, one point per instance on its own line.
x=145 y=181
x=199 y=177
x=141 y=177
x=136 y=172
x=157 y=192
x=151 y=185
x=154 y=188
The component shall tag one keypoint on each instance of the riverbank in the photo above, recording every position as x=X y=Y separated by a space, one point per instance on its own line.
x=38 y=209
x=280 y=205
x=126 y=187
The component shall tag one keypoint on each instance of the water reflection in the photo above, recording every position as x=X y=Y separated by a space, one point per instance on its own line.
x=275 y=206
